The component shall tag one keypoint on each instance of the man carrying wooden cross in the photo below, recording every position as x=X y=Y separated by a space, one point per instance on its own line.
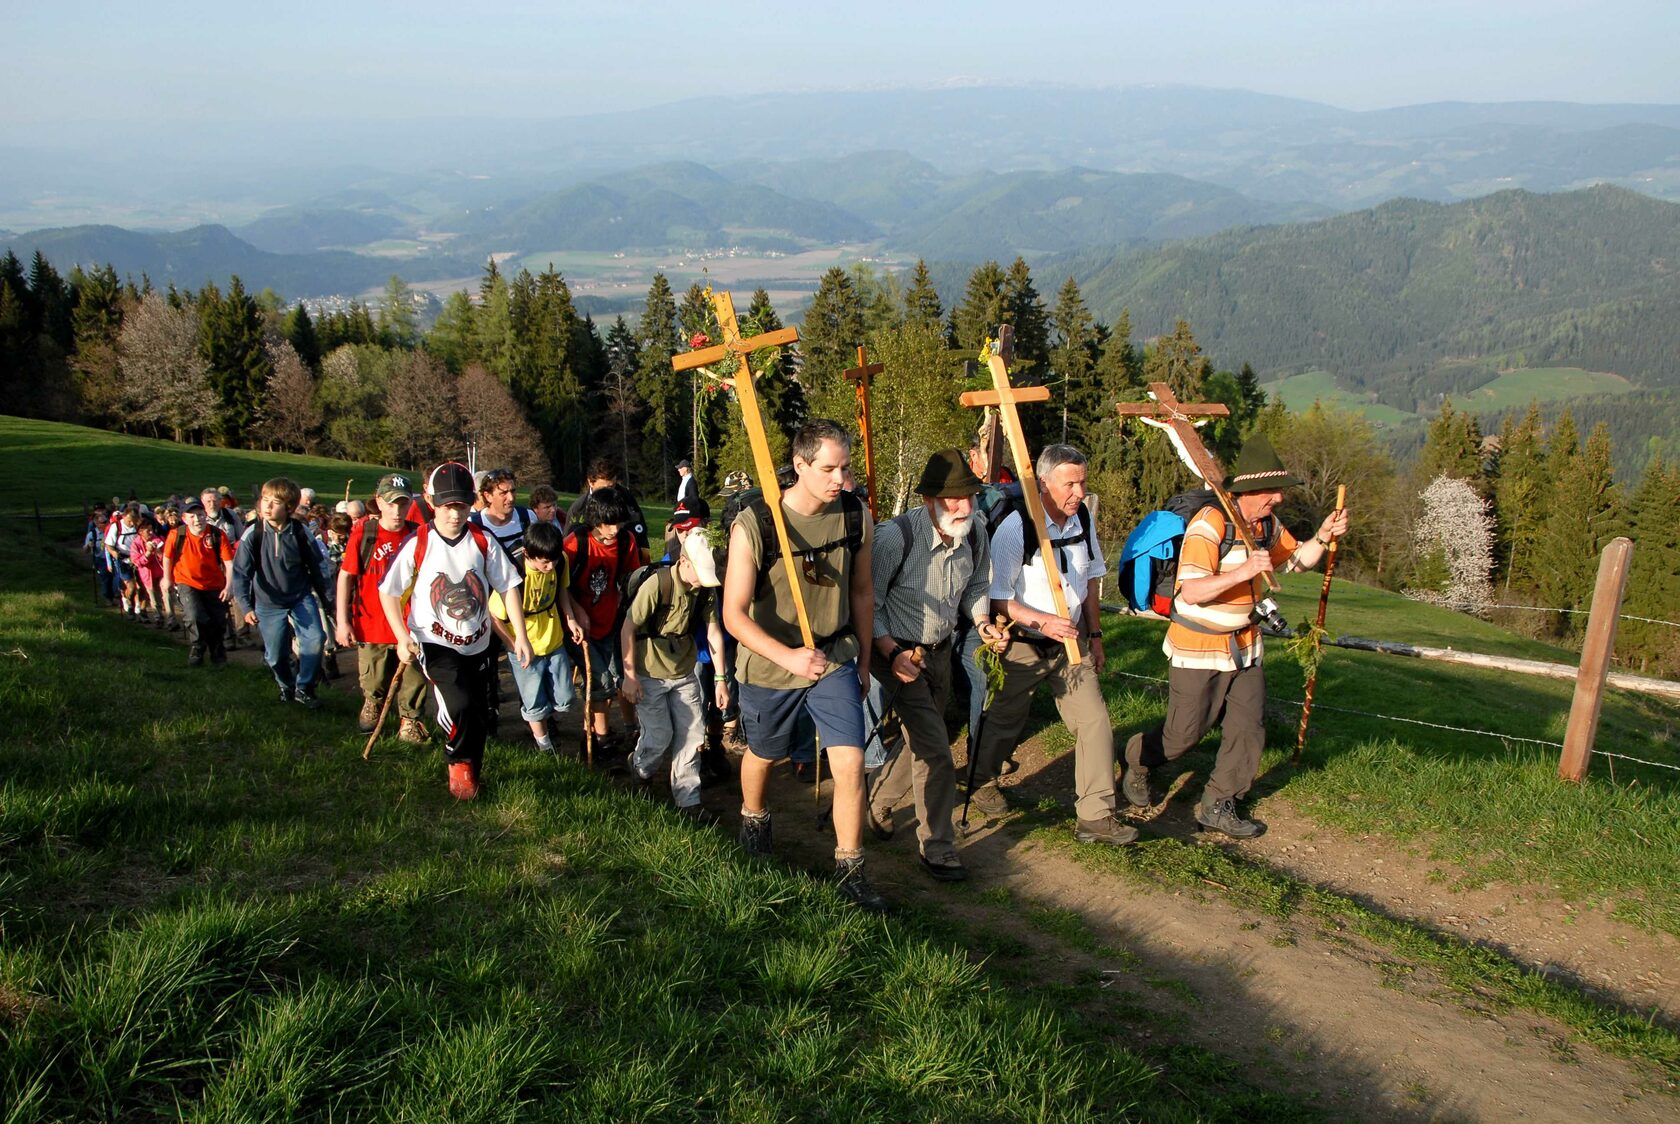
x=780 y=674
x=1021 y=565
x=1214 y=643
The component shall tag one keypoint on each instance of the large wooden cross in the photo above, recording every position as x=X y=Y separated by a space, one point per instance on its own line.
x=1166 y=412
x=1005 y=398
x=860 y=375
x=724 y=305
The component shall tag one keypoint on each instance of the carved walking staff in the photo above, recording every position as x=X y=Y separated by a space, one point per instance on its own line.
x=1318 y=630
x=1005 y=397
x=861 y=376
x=1167 y=413
x=765 y=464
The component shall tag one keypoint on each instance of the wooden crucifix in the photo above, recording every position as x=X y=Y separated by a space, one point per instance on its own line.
x=1005 y=398
x=1167 y=413
x=861 y=375
x=763 y=461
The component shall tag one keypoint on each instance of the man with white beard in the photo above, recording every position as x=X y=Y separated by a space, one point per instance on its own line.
x=930 y=564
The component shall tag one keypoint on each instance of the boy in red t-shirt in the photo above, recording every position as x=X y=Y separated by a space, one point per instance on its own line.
x=602 y=553
x=373 y=543
x=198 y=561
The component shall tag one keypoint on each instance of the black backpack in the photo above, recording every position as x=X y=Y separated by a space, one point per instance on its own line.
x=1009 y=500
x=851 y=507
x=1158 y=542
x=369 y=527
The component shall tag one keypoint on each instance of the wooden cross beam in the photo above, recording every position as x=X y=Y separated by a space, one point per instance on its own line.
x=1168 y=413
x=1005 y=398
x=724 y=305
x=861 y=375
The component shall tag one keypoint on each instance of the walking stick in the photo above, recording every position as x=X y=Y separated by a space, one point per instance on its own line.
x=588 y=704
x=1323 y=603
x=390 y=693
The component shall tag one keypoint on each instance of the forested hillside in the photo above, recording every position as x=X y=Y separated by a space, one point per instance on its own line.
x=1382 y=297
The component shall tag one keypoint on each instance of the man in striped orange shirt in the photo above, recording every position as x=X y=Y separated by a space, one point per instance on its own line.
x=1214 y=643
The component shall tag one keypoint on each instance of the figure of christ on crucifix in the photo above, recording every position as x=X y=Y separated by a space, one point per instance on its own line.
x=861 y=375
x=798 y=599
x=1046 y=566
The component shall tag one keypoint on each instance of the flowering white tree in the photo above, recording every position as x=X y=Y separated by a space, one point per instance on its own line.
x=1455 y=540
x=165 y=379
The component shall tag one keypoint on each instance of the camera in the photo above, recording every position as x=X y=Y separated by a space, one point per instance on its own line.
x=1270 y=619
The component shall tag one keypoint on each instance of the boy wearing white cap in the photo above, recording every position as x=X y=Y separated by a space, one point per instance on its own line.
x=659 y=653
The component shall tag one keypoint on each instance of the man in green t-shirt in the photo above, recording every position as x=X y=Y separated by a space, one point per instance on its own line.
x=779 y=676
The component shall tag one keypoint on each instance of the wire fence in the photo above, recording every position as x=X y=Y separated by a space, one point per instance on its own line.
x=1508 y=739
x=1549 y=609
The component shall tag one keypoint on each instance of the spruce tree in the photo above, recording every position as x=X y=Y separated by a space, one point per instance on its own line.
x=921 y=301
x=1073 y=362
x=828 y=339
x=1579 y=521
x=454 y=338
x=495 y=327
x=1654 y=580
x=621 y=408
x=1453 y=448
x=299 y=331
x=1518 y=494
x=1023 y=310
x=976 y=318
x=397 y=324
x=232 y=331
x=665 y=391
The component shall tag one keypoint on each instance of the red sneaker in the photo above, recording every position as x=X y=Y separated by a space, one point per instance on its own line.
x=463 y=780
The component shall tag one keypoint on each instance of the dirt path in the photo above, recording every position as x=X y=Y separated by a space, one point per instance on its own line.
x=1333 y=1021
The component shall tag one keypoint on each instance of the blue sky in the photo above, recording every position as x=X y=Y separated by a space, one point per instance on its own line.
x=164 y=61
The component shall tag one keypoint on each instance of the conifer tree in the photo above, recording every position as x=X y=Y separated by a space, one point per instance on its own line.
x=1654 y=580
x=397 y=324
x=1579 y=521
x=494 y=323
x=921 y=301
x=299 y=331
x=96 y=320
x=1177 y=360
x=621 y=407
x=1453 y=448
x=454 y=337
x=976 y=318
x=665 y=391
x=1254 y=396
x=828 y=340
x=1518 y=494
x=232 y=340
x=1073 y=362
x=1023 y=310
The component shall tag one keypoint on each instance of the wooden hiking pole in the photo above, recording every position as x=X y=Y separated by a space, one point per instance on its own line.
x=861 y=376
x=1005 y=397
x=390 y=693
x=588 y=707
x=1167 y=413
x=1323 y=604
x=765 y=464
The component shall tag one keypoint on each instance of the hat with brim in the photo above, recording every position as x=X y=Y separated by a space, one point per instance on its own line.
x=450 y=483
x=193 y=506
x=948 y=476
x=698 y=551
x=394 y=486
x=690 y=513
x=1259 y=469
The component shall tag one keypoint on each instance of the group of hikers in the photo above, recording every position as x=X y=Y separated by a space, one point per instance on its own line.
x=845 y=647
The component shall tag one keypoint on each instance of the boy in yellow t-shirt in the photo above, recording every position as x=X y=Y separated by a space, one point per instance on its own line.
x=546 y=686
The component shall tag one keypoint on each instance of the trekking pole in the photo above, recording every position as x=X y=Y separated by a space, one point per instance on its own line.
x=1318 y=630
x=390 y=693
x=588 y=704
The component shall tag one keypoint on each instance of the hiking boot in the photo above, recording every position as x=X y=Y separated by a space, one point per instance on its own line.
x=948 y=871
x=218 y=657
x=1221 y=816
x=1106 y=830
x=855 y=887
x=1134 y=786
x=755 y=835
x=305 y=698
x=412 y=731
x=698 y=814
x=988 y=801
x=287 y=694
x=173 y=625
x=369 y=717
x=641 y=787
x=463 y=780
x=195 y=656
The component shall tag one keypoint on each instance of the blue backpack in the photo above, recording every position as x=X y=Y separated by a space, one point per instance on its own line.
x=1149 y=559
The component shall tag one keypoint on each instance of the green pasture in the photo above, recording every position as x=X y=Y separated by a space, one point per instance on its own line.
x=1300 y=391
x=1513 y=390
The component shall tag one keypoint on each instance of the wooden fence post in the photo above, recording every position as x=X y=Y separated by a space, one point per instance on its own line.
x=1595 y=659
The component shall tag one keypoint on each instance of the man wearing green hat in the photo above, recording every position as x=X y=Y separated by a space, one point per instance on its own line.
x=931 y=568
x=1214 y=643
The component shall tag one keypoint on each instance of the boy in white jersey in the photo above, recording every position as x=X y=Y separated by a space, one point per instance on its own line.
x=437 y=598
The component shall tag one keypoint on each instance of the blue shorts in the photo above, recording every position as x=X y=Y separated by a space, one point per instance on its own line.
x=832 y=703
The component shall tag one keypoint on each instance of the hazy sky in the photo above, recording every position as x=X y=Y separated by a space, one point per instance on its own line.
x=167 y=61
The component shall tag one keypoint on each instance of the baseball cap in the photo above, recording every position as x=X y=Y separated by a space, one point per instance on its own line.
x=690 y=513
x=192 y=506
x=699 y=553
x=450 y=482
x=394 y=486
